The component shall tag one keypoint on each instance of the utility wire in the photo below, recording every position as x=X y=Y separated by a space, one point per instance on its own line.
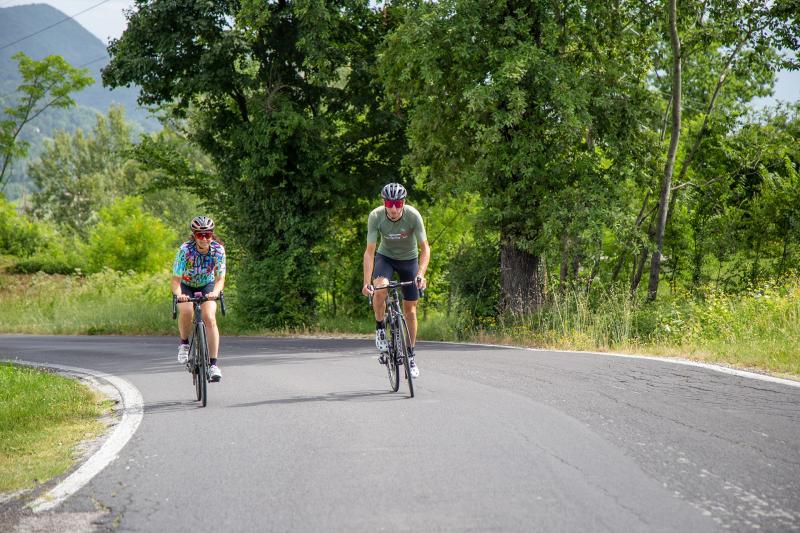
x=52 y=25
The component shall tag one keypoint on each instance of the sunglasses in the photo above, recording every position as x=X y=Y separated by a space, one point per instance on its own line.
x=393 y=203
x=203 y=235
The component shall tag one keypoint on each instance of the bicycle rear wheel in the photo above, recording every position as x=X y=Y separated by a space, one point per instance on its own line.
x=202 y=367
x=392 y=367
x=403 y=345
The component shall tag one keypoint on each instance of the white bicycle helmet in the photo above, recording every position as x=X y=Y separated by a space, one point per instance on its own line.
x=393 y=191
x=202 y=223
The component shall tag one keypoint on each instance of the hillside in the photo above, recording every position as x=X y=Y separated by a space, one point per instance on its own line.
x=69 y=40
x=81 y=49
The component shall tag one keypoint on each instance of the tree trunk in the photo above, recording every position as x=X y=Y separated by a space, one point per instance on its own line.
x=564 y=270
x=522 y=279
x=638 y=268
x=661 y=223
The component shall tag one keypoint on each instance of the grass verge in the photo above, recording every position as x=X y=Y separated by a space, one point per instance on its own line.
x=43 y=417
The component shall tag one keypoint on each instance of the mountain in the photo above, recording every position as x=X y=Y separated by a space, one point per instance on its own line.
x=81 y=49
x=69 y=40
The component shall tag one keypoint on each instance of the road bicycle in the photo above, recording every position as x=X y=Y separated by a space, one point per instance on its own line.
x=396 y=336
x=198 y=362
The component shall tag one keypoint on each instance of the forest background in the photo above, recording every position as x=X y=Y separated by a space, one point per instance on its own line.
x=592 y=175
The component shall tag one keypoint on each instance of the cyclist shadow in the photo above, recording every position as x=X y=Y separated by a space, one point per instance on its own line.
x=348 y=396
x=170 y=406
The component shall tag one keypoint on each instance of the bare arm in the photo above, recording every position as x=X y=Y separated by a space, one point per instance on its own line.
x=219 y=285
x=424 y=259
x=175 y=285
x=369 y=265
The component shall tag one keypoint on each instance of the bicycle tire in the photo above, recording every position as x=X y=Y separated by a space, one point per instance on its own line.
x=202 y=354
x=405 y=342
x=392 y=368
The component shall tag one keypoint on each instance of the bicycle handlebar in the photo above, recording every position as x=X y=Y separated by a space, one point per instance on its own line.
x=198 y=299
x=394 y=285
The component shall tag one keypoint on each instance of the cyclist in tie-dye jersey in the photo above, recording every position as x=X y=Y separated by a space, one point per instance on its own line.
x=199 y=267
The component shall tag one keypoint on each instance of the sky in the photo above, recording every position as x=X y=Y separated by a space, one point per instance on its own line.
x=107 y=21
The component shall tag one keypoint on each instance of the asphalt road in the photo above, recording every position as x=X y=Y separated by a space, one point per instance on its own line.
x=304 y=435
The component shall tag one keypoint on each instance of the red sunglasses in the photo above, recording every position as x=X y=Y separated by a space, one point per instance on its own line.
x=203 y=235
x=393 y=203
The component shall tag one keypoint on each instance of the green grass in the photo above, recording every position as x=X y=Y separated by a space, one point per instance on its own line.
x=42 y=417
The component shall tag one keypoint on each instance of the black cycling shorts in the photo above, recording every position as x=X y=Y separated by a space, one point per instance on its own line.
x=406 y=269
x=189 y=291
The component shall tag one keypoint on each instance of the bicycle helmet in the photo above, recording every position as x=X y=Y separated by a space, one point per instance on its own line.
x=202 y=223
x=393 y=191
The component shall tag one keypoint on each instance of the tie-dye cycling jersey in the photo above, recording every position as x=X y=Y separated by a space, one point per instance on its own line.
x=197 y=269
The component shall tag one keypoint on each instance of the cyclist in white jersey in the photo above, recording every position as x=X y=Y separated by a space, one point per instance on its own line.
x=403 y=249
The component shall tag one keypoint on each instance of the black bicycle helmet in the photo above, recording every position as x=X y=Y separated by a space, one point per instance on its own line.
x=393 y=191
x=202 y=223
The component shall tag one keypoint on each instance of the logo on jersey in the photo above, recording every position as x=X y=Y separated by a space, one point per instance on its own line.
x=397 y=236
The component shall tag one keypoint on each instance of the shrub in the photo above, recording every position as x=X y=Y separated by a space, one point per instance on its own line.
x=127 y=238
x=20 y=236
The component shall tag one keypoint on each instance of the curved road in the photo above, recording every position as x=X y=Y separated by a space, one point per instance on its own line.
x=303 y=435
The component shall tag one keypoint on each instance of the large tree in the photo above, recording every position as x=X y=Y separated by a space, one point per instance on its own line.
x=536 y=105
x=280 y=95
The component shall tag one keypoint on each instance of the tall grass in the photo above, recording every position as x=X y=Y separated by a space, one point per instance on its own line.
x=759 y=329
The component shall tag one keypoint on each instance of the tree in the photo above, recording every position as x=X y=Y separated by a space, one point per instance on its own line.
x=45 y=83
x=281 y=97
x=534 y=105
x=78 y=174
x=737 y=43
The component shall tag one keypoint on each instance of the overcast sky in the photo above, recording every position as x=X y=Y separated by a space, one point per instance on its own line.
x=107 y=21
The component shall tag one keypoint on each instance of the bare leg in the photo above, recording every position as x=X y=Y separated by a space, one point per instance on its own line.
x=209 y=310
x=185 y=319
x=379 y=299
x=410 y=312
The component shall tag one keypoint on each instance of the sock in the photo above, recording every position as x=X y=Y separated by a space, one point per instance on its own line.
x=411 y=352
x=184 y=341
x=380 y=325
x=213 y=361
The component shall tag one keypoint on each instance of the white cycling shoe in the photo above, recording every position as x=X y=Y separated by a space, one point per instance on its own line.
x=214 y=374
x=380 y=341
x=413 y=367
x=183 y=354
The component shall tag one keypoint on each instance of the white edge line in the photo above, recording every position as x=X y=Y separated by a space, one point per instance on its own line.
x=132 y=412
x=673 y=360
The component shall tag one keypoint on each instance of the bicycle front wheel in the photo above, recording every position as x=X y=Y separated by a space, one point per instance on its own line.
x=404 y=342
x=392 y=366
x=202 y=366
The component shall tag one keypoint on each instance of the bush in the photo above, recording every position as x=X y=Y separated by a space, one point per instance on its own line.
x=19 y=236
x=126 y=238
x=475 y=277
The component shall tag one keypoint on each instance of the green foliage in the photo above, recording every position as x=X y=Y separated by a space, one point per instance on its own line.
x=475 y=280
x=77 y=174
x=281 y=96
x=20 y=236
x=127 y=238
x=45 y=83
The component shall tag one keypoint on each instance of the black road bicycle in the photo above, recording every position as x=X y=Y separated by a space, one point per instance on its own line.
x=396 y=336
x=198 y=362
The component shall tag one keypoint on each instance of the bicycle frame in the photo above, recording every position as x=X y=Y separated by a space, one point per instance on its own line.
x=198 y=343
x=398 y=338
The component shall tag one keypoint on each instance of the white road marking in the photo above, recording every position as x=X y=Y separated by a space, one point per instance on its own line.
x=673 y=360
x=132 y=412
